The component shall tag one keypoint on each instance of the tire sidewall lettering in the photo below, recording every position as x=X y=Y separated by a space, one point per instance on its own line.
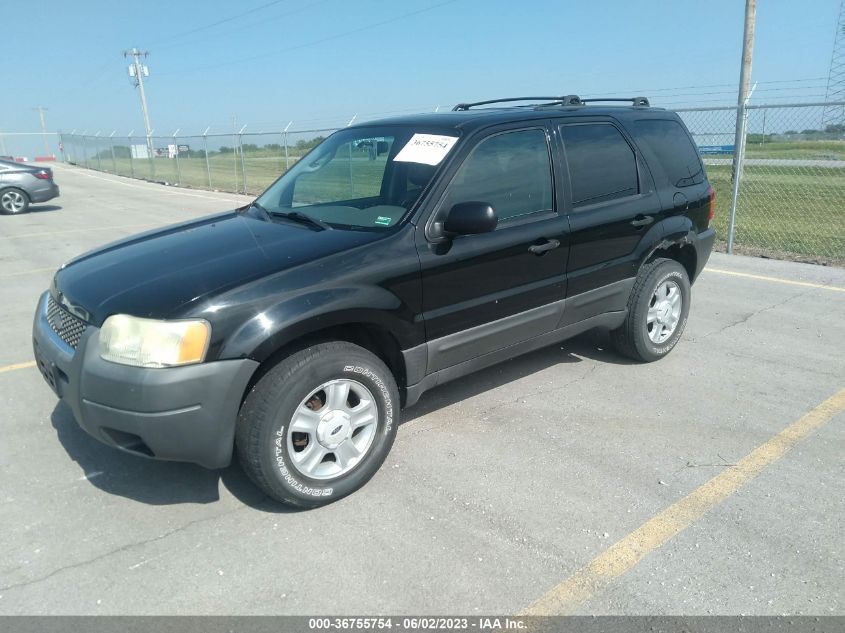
x=382 y=388
x=284 y=471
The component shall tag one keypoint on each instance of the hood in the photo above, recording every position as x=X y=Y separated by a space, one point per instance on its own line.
x=155 y=273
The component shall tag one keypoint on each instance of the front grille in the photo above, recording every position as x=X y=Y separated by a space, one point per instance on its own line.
x=66 y=325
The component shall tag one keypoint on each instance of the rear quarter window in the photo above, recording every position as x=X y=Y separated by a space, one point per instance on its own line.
x=667 y=142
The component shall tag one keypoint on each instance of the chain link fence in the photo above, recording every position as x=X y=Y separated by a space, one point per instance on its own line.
x=790 y=200
x=789 y=203
x=239 y=163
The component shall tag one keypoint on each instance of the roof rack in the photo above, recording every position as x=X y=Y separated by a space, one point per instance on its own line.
x=568 y=100
x=640 y=102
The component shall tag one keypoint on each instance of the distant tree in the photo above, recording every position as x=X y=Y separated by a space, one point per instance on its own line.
x=809 y=131
x=759 y=138
x=791 y=132
x=249 y=147
x=835 y=128
x=225 y=150
x=303 y=145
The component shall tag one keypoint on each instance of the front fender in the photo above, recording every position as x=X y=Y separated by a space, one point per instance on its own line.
x=308 y=312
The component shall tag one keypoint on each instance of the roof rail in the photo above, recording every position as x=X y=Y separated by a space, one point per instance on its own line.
x=641 y=102
x=567 y=100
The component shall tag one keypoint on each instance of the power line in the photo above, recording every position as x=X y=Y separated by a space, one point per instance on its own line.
x=224 y=20
x=248 y=25
x=314 y=42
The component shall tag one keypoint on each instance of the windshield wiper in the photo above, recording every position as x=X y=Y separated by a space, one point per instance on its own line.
x=302 y=218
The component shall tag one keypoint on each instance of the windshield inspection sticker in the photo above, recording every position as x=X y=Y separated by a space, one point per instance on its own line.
x=383 y=220
x=428 y=149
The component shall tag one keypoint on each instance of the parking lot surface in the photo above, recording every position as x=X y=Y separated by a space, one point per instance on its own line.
x=501 y=487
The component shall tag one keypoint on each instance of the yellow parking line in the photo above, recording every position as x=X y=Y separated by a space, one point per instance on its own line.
x=17 y=366
x=93 y=228
x=657 y=531
x=775 y=279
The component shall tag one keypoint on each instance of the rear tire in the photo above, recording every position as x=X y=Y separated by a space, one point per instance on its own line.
x=318 y=425
x=657 y=312
x=13 y=201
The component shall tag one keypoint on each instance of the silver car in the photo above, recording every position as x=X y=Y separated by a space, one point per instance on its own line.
x=22 y=184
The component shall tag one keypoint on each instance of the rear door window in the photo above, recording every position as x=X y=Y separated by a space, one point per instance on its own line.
x=602 y=165
x=671 y=147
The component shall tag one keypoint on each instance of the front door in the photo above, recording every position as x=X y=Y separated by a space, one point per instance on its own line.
x=482 y=293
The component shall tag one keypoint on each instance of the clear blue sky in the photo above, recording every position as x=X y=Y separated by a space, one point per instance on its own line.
x=318 y=62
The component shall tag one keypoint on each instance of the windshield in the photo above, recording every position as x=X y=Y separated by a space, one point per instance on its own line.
x=361 y=178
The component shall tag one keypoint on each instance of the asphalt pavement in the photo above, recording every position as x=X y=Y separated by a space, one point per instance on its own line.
x=501 y=487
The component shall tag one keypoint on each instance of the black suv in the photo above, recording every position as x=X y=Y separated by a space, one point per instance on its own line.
x=396 y=256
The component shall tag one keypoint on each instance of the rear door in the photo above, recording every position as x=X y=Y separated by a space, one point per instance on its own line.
x=677 y=168
x=482 y=293
x=612 y=208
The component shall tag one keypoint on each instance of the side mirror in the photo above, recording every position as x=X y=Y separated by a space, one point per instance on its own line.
x=470 y=218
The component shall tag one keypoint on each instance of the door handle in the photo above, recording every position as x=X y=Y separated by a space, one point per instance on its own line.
x=642 y=220
x=539 y=249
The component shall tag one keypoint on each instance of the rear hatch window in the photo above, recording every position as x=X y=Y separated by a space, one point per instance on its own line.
x=670 y=145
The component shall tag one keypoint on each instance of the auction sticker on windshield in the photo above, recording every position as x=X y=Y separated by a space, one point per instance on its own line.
x=428 y=149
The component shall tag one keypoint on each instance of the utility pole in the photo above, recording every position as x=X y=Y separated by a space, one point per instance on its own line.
x=137 y=72
x=41 y=110
x=744 y=78
x=741 y=114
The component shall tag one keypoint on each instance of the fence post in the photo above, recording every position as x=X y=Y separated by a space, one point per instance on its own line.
x=97 y=149
x=111 y=146
x=287 y=159
x=739 y=151
x=151 y=155
x=176 y=156
x=243 y=163
x=205 y=149
x=131 y=160
x=85 y=150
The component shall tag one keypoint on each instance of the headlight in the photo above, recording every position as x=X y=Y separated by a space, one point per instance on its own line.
x=140 y=342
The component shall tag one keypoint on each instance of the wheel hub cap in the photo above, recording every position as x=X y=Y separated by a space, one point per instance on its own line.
x=664 y=311
x=334 y=428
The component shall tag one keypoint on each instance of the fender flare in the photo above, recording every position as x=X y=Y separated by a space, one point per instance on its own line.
x=676 y=231
x=297 y=316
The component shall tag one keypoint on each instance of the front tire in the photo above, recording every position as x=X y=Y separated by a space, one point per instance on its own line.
x=657 y=312
x=318 y=425
x=13 y=201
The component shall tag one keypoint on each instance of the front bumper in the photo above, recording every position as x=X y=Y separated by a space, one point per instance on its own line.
x=177 y=413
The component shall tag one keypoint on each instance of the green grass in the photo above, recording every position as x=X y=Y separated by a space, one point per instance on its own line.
x=821 y=150
x=790 y=210
x=784 y=209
